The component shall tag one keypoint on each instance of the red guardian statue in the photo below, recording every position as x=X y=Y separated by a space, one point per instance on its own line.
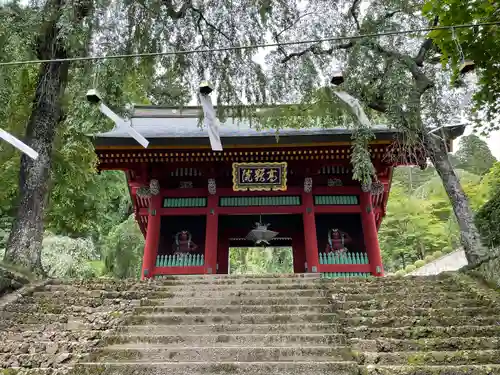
x=183 y=243
x=337 y=241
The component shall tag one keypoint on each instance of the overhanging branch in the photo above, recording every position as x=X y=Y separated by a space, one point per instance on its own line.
x=353 y=11
x=425 y=47
x=315 y=50
x=177 y=14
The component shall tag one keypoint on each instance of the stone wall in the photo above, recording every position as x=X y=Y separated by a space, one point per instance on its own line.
x=10 y=281
x=488 y=271
x=449 y=262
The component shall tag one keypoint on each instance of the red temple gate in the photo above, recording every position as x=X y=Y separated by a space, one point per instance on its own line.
x=192 y=203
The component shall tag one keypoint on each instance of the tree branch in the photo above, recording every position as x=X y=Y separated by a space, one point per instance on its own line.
x=177 y=14
x=277 y=35
x=353 y=12
x=209 y=24
x=425 y=47
x=423 y=82
x=315 y=50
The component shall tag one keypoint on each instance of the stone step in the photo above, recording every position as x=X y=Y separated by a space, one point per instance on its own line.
x=43 y=334
x=231 y=339
x=233 y=309
x=232 y=319
x=399 y=321
x=425 y=332
x=41 y=318
x=48 y=298
x=209 y=282
x=359 y=285
x=420 y=311
x=459 y=357
x=427 y=344
x=285 y=285
x=406 y=289
x=157 y=353
x=209 y=294
x=402 y=295
x=429 y=303
x=221 y=368
x=57 y=307
x=304 y=328
x=431 y=370
x=244 y=300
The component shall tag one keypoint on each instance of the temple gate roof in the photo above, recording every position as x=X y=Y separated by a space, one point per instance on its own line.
x=164 y=125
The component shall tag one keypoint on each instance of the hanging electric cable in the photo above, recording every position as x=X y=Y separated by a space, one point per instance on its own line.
x=251 y=46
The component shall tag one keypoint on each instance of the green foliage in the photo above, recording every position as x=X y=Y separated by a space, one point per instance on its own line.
x=64 y=257
x=437 y=254
x=474 y=155
x=122 y=249
x=410 y=268
x=420 y=219
x=410 y=230
x=260 y=260
x=480 y=44
x=419 y=263
x=488 y=215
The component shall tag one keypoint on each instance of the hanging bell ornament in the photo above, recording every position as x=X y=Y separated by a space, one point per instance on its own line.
x=467 y=66
x=337 y=78
x=206 y=88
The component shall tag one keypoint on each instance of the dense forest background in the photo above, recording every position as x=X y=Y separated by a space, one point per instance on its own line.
x=91 y=230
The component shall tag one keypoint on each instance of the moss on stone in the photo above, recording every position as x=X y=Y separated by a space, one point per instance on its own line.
x=223 y=368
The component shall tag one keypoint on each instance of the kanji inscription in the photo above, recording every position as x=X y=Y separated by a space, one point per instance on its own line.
x=259 y=176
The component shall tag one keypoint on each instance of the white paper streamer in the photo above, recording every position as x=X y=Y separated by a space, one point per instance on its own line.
x=18 y=144
x=211 y=122
x=125 y=125
x=353 y=103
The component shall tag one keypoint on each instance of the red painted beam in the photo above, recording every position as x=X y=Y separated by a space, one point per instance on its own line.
x=191 y=270
x=293 y=190
x=343 y=209
x=256 y=210
x=344 y=268
x=189 y=211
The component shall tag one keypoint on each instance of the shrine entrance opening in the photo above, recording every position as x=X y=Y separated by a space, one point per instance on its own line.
x=233 y=231
x=260 y=260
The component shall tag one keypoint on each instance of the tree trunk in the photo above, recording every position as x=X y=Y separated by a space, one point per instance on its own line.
x=25 y=241
x=469 y=235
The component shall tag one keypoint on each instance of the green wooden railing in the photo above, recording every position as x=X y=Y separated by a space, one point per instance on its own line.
x=336 y=200
x=184 y=202
x=344 y=275
x=186 y=260
x=259 y=201
x=343 y=258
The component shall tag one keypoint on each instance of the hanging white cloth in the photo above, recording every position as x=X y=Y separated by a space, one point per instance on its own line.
x=18 y=144
x=211 y=122
x=356 y=108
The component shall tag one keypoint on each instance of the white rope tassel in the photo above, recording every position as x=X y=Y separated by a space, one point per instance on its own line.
x=211 y=122
x=18 y=144
x=353 y=103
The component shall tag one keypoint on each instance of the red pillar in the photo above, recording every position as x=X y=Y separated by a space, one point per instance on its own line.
x=370 y=235
x=152 y=238
x=223 y=254
x=211 y=235
x=310 y=240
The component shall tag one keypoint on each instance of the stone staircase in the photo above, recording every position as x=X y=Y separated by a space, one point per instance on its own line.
x=288 y=325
